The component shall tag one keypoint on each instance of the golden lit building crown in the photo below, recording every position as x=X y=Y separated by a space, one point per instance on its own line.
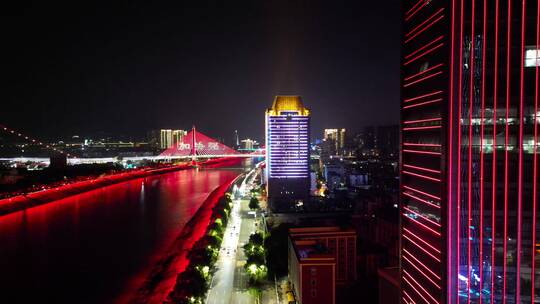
x=284 y=103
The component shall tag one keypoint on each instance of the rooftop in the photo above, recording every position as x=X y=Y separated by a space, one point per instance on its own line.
x=311 y=250
x=288 y=103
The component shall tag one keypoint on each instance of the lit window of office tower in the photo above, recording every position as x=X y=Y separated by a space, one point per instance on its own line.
x=470 y=122
x=287 y=149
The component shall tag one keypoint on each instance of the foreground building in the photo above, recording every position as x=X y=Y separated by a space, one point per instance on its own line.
x=287 y=149
x=339 y=242
x=470 y=142
x=312 y=272
x=319 y=259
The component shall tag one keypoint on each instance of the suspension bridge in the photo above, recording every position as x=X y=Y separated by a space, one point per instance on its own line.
x=193 y=146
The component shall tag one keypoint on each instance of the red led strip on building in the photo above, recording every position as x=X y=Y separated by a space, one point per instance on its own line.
x=413 y=12
x=535 y=161
x=423 y=241
x=422 y=192
x=421 y=264
x=494 y=160
x=506 y=140
x=426 y=27
x=423 y=54
x=422 y=79
x=421 y=200
x=422 y=103
x=470 y=155
x=421 y=152
x=423 y=225
x=421 y=272
x=421 y=287
x=422 y=248
x=422 y=96
x=421 y=128
x=421 y=120
x=422 y=176
x=423 y=217
x=429 y=44
x=421 y=145
x=520 y=155
x=408 y=296
x=482 y=111
x=424 y=72
x=422 y=169
x=450 y=144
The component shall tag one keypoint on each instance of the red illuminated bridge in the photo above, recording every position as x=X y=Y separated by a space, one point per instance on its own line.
x=193 y=146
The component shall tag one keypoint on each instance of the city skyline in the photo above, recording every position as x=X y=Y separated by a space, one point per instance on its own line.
x=269 y=152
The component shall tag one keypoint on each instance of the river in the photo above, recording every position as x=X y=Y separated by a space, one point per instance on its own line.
x=96 y=246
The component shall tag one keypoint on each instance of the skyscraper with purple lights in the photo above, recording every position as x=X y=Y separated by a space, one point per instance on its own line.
x=287 y=149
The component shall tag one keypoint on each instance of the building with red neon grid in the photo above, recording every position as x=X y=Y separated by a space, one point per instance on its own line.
x=469 y=154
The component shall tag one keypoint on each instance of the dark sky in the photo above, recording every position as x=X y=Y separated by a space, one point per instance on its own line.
x=125 y=67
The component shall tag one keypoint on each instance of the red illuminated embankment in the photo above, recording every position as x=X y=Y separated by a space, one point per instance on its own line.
x=161 y=281
x=22 y=202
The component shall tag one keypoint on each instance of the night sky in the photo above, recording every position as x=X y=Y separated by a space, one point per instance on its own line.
x=125 y=67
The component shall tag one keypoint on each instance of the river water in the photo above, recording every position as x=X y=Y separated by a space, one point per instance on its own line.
x=96 y=246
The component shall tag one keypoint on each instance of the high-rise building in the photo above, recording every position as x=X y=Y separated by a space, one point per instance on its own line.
x=337 y=137
x=165 y=139
x=236 y=139
x=328 y=150
x=388 y=140
x=331 y=133
x=369 y=138
x=178 y=136
x=169 y=138
x=249 y=144
x=342 y=139
x=470 y=122
x=287 y=149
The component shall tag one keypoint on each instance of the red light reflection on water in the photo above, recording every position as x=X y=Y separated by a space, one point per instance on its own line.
x=86 y=247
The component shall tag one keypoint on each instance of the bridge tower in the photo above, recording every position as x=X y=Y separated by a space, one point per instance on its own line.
x=193 y=146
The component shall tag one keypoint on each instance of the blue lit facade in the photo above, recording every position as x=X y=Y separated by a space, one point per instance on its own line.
x=287 y=149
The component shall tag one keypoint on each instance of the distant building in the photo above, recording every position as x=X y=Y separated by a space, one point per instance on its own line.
x=337 y=137
x=249 y=144
x=178 y=136
x=236 y=140
x=359 y=180
x=165 y=139
x=287 y=149
x=313 y=183
x=369 y=138
x=328 y=150
x=334 y=174
x=169 y=138
x=153 y=138
x=388 y=140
